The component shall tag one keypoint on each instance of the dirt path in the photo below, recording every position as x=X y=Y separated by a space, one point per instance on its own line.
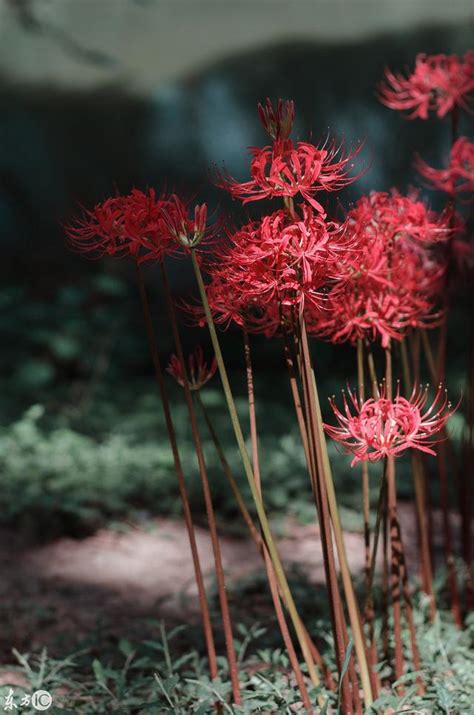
x=112 y=581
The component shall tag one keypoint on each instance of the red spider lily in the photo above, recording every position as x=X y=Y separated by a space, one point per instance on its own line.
x=278 y=260
x=375 y=429
x=285 y=169
x=199 y=371
x=187 y=226
x=124 y=226
x=348 y=316
x=277 y=123
x=458 y=176
x=438 y=83
x=390 y=216
x=230 y=307
x=392 y=283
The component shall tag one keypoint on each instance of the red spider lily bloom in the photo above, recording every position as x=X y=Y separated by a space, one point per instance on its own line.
x=349 y=316
x=458 y=175
x=392 y=282
x=124 y=226
x=228 y=308
x=277 y=123
x=375 y=429
x=230 y=305
x=188 y=227
x=199 y=371
x=438 y=83
x=391 y=216
x=285 y=169
x=280 y=260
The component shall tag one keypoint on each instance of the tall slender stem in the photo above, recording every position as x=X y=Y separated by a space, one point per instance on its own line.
x=304 y=439
x=395 y=547
x=277 y=565
x=266 y=556
x=420 y=502
x=453 y=588
x=229 y=474
x=254 y=533
x=385 y=577
x=381 y=507
x=365 y=472
x=373 y=374
x=319 y=490
x=351 y=601
x=203 y=605
x=444 y=498
x=221 y=586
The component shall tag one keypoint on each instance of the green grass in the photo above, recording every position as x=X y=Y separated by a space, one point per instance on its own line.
x=159 y=675
x=75 y=470
x=82 y=435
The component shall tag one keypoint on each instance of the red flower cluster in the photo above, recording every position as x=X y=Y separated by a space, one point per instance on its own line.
x=380 y=428
x=199 y=371
x=139 y=225
x=277 y=263
x=285 y=169
x=458 y=176
x=438 y=83
x=391 y=284
x=131 y=226
x=392 y=216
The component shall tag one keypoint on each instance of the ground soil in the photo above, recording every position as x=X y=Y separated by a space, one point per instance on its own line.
x=110 y=583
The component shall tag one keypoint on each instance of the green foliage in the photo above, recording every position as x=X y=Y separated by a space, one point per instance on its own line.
x=157 y=676
x=76 y=467
x=98 y=450
x=64 y=473
x=63 y=332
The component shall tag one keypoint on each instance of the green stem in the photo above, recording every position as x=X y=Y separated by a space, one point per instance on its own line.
x=365 y=473
x=352 y=607
x=277 y=565
x=273 y=584
x=319 y=484
x=211 y=519
x=229 y=475
x=420 y=502
x=203 y=605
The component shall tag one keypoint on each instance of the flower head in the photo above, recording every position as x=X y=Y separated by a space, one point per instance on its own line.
x=278 y=122
x=379 y=428
x=131 y=226
x=437 y=84
x=277 y=261
x=393 y=281
x=458 y=176
x=187 y=226
x=199 y=371
x=285 y=169
x=390 y=216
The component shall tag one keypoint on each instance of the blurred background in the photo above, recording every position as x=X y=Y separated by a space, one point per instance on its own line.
x=100 y=96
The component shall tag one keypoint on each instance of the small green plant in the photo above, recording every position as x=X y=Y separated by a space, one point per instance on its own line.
x=162 y=676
